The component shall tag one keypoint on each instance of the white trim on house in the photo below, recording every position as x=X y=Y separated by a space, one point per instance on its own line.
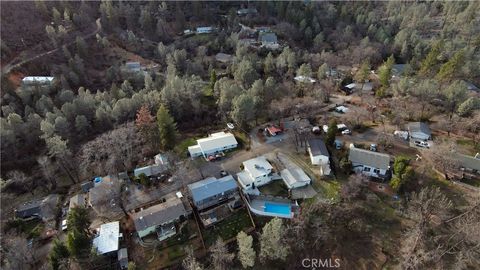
x=215 y=143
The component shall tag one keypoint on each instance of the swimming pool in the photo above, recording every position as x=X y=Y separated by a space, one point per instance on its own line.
x=283 y=209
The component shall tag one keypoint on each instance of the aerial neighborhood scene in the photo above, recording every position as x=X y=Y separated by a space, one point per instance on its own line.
x=240 y=135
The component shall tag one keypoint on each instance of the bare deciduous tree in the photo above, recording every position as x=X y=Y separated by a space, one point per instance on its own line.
x=190 y=262
x=221 y=258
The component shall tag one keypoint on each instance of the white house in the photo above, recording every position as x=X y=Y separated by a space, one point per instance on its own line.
x=295 y=178
x=419 y=131
x=256 y=172
x=107 y=238
x=215 y=143
x=37 y=80
x=368 y=162
x=304 y=79
x=319 y=155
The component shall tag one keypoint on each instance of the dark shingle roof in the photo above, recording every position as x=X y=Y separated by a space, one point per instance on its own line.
x=369 y=158
x=268 y=37
x=317 y=147
x=159 y=214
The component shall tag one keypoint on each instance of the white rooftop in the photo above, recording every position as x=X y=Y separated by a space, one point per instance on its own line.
x=257 y=166
x=294 y=176
x=107 y=239
x=304 y=79
x=37 y=79
x=217 y=140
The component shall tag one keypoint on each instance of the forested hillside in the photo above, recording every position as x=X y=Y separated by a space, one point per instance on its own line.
x=99 y=117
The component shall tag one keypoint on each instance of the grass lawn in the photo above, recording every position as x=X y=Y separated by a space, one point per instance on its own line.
x=275 y=188
x=243 y=139
x=228 y=228
x=181 y=147
x=328 y=189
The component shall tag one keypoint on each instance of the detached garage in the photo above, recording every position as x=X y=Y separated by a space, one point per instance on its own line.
x=419 y=131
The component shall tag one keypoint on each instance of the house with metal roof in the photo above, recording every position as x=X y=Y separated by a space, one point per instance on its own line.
x=295 y=178
x=204 y=30
x=419 y=131
x=368 y=162
x=38 y=80
x=246 y=11
x=213 y=144
x=107 y=240
x=160 y=218
x=133 y=66
x=211 y=191
x=304 y=79
x=319 y=155
x=256 y=172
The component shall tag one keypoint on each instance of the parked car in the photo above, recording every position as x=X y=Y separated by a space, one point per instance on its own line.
x=346 y=132
x=421 y=144
x=230 y=125
x=373 y=147
x=316 y=130
x=223 y=173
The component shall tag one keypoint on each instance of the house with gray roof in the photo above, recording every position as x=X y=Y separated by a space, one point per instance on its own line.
x=45 y=209
x=419 y=131
x=133 y=66
x=269 y=40
x=368 y=162
x=150 y=170
x=211 y=191
x=122 y=257
x=160 y=218
x=319 y=155
x=470 y=164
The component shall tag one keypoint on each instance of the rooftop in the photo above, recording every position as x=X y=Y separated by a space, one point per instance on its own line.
x=107 y=239
x=38 y=79
x=77 y=201
x=217 y=140
x=211 y=186
x=469 y=162
x=268 y=37
x=257 y=166
x=150 y=170
x=419 y=127
x=302 y=78
x=318 y=147
x=159 y=214
x=292 y=176
x=369 y=158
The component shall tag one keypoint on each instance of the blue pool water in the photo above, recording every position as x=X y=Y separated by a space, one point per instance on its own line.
x=283 y=209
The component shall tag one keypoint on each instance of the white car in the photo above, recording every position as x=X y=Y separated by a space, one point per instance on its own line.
x=230 y=126
x=64 y=225
x=346 y=132
x=422 y=144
